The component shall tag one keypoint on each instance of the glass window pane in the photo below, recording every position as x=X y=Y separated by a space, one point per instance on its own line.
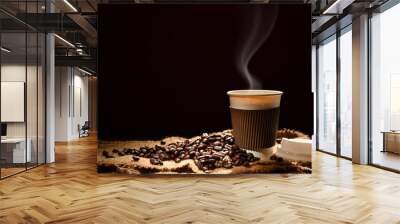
x=14 y=153
x=41 y=98
x=327 y=96
x=346 y=94
x=32 y=95
x=385 y=84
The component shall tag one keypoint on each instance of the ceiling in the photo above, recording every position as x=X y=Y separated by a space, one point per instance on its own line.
x=76 y=21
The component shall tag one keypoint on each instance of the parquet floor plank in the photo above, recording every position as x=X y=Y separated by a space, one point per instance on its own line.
x=71 y=191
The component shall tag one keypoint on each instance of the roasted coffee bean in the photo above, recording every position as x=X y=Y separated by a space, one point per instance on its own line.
x=135 y=158
x=159 y=148
x=207 y=151
x=156 y=161
x=228 y=147
x=279 y=159
x=273 y=157
x=192 y=153
x=163 y=156
x=115 y=151
x=229 y=140
x=120 y=153
x=130 y=151
x=143 y=150
x=202 y=146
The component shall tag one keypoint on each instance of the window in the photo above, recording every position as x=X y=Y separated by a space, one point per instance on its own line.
x=385 y=88
x=346 y=93
x=22 y=77
x=327 y=96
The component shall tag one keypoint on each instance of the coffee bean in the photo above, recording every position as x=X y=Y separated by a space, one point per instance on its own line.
x=159 y=148
x=202 y=146
x=135 y=158
x=228 y=147
x=163 y=156
x=128 y=151
x=115 y=151
x=207 y=151
x=143 y=150
x=279 y=159
x=156 y=161
x=229 y=140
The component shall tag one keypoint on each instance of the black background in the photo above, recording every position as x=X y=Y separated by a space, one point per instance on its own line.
x=164 y=69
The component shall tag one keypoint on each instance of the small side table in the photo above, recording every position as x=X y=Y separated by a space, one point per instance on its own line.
x=391 y=141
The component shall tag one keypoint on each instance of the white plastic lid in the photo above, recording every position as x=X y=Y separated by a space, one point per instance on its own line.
x=254 y=99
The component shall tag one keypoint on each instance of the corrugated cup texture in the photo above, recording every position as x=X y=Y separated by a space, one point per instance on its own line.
x=255 y=129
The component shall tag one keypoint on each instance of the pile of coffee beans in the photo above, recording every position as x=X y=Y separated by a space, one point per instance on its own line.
x=207 y=151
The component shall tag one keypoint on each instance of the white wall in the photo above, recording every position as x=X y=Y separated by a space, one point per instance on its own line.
x=33 y=127
x=71 y=102
x=15 y=72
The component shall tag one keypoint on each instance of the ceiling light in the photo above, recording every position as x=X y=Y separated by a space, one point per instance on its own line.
x=84 y=71
x=70 y=5
x=5 y=50
x=65 y=41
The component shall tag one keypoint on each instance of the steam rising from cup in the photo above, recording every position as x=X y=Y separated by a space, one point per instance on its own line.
x=259 y=26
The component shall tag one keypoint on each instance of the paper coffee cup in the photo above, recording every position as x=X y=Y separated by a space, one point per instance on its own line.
x=255 y=117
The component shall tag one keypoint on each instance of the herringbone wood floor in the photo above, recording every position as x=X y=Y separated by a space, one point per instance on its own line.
x=70 y=191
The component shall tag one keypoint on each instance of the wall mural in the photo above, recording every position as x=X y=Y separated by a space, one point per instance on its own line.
x=204 y=88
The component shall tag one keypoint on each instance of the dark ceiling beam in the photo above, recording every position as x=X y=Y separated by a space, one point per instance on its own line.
x=49 y=22
x=84 y=24
x=91 y=5
x=79 y=61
